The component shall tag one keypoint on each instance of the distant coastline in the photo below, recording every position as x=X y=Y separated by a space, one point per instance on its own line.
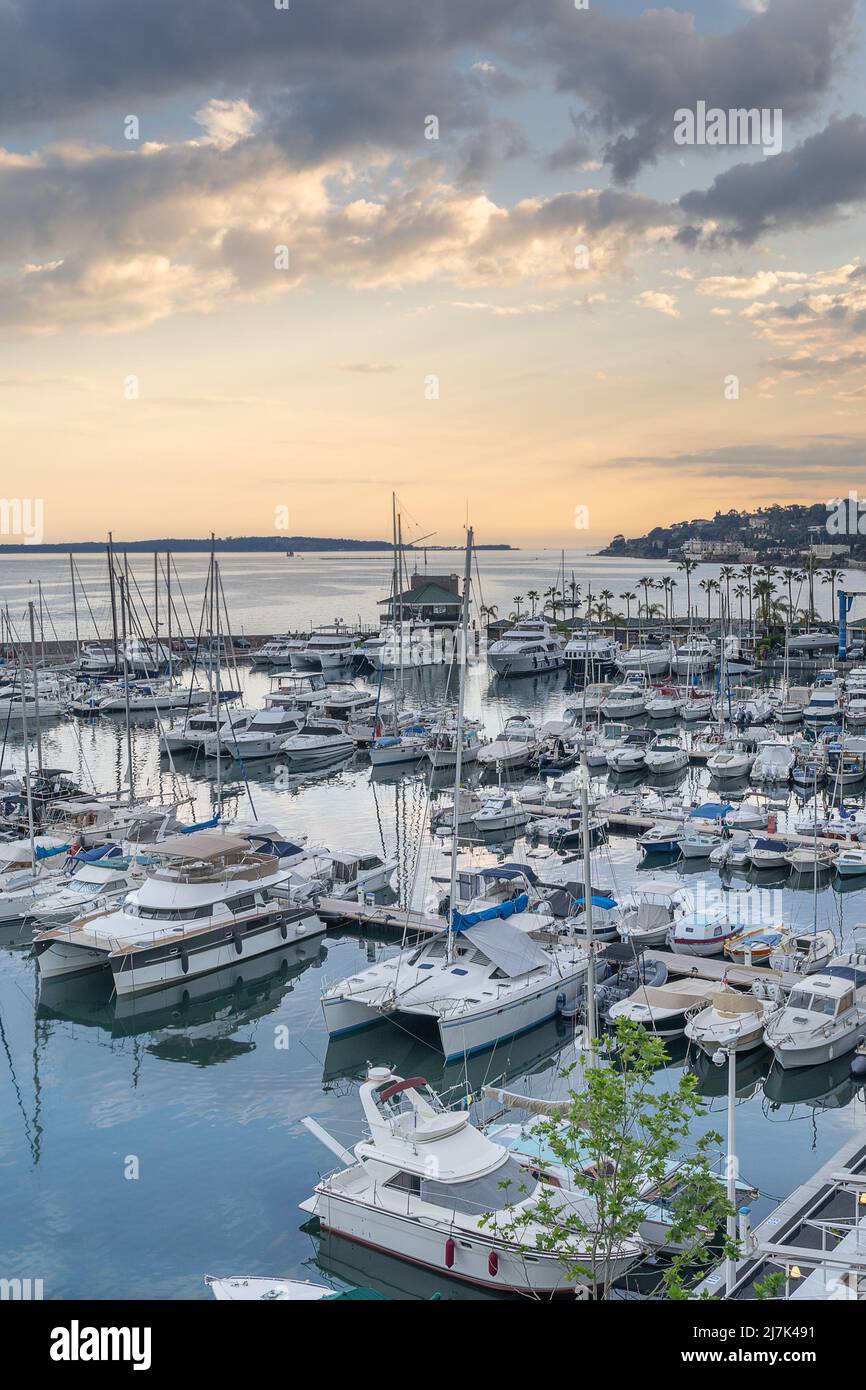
x=273 y=545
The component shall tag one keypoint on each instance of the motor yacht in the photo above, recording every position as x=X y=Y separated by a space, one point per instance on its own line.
x=665 y=703
x=589 y=652
x=279 y=651
x=329 y=649
x=265 y=734
x=648 y=912
x=664 y=756
x=501 y=812
x=654 y=658
x=192 y=732
x=99 y=878
x=628 y=699
x=663 y=1009
x=517 y=745
x=209 y=903
x=695 y=656
x=426 y=1186
x=665 y=837
x=774 y=761
x=733 y=759
x=703 y=933
x=528 y=648
x=319 y=743
x=696 y=705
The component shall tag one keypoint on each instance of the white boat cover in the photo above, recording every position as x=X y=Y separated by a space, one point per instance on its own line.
x=511 y=950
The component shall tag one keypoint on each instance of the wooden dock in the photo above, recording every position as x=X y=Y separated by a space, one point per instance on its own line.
x=716 y=968
x=389 y=916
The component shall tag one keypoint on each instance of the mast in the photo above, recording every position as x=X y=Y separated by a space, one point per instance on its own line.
x=463 y=658
x=122 y=583
x=216 y=670
x=35 y=689
x=110 y=549
x=27 y=763
x=591 y=1026
x=74 y=608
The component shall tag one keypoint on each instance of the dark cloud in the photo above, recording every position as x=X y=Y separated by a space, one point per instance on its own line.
x=806 y=186
x=634 y=72
x=823 y=458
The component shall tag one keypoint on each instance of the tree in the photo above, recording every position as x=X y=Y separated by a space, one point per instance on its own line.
x=789 y=576
x=518 y=599
x=618 y=1137
x=646 y=584
x=688 y=567
x=747 y=572
x=727 y=573
x=628 y=599
x=832 y=577
x=533 y=596
x=488 y=611
x=709 y=587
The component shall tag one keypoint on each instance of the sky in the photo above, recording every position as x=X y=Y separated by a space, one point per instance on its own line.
x=262 y=265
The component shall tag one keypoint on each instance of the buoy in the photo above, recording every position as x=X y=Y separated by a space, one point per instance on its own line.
x=858 y=1066
x=449 y=1253
x=493 y=1264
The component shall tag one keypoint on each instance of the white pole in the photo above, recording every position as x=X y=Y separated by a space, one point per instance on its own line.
x=591 y=1027
x=463 y=659
x=730 y=1261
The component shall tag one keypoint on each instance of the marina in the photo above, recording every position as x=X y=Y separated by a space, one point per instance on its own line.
x=342 y=863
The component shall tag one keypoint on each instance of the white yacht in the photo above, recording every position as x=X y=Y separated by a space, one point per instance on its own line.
x=94 y=886
x=25 y=871
x=734 y=758
x=410 y=645
x=501 y=812
x=823 y=1018
x=654 y=658
x=630 y=754
x=279 y=651
x=329 y=649
x=664 y=756
x=345 y=701
x=629 y=698
x=589 y=652
x=392 y=750
x=664 y=1009
x=665 y=703
x=695 y=656
x=498 y=969
x=696 y=705
x=825 y=705
x=517 y=745
x=190 y=733
x=318 y=743
x=703 y=933
x=528 y=648
x=354 y=873
x=732 y=1021
x=265 y=734
x=210 y=903
x=426 y=1186
x=648 y=912
x=142 y=696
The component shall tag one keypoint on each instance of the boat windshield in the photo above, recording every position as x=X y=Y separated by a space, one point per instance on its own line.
x=506 y=1185
x=812 y=1003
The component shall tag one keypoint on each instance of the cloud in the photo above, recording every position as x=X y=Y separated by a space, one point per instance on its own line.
x=110 y=240
x=805 y=187
x=368 y=368
x=662 y=303
x=825 y=459
x=634 y=72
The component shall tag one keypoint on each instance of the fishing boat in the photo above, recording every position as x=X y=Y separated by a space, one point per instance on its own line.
x=823 y=1018
x=426 y=1186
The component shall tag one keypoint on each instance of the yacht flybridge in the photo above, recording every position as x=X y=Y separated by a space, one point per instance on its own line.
x=500 y=967
x=529 y=648
x=426 y=1186
x=329 y=649
x=209 y=904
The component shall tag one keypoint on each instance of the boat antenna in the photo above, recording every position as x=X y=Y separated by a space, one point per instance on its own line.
x=463 y=657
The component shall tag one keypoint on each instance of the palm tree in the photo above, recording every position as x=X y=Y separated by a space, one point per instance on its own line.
x=488 y=611
x=607 y=596
x=747 y=572
x=688 y=567
x=533 y=596
x=709 y=587
x=740 y=592
x=518 y=599
x=628 y=599
x=832 y=577
x=789 y=576
x=646 y=585
x=727 y=573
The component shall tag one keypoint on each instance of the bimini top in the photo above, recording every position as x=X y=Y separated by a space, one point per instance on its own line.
x=200 y=845
x=510 y=871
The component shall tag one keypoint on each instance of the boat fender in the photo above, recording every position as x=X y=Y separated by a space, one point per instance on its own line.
x=284 y=931
x=449 y=1253
x=858 y=1067
x=184 y=962
x=493 y=1264
x=238 y=940
x=561 y=1001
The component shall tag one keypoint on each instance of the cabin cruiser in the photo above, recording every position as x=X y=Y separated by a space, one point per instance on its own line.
x=630 y=754
x=664 y=1009
x=346 y=701
x=528 y=648
x=516 y=746
x=279 y=650
x=426 y=1186
x=319 y=742
x=666 y=703
x=695 y=656
x=469 y=804
x=99 y=878
x=734 y=758
x=769 y=852
x=648 y=913
x=265 y=734
x=652 y=657
x=850 y=863
x=824 y=1017
x=664 y=756
x=588 y=652
x=825 y=703
x=627 y=699
x=774 y=761
x=209 y=903
x=409 y=746
x=500 y=968
x=351 y=875
x=789 y=708
x=732 y=1021
x=441 y=746
x=409 y=645
x=501 y=812
x=697 y=704
x=190 y=734
x=746 y=816
x=329 y=649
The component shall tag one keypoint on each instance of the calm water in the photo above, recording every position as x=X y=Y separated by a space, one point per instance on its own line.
x=194 y=1093
x=274 y=594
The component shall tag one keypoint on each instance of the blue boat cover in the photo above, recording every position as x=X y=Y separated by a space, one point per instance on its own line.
x=50 y=853
x=711 y=810
x=461 y=921
x=201 y=825
x=389 y=742
x=597 y=901
x=93 y=856
x=510 y=871
x=281 y=848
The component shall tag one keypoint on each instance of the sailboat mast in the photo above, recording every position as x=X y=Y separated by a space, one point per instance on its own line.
x=110 y=549
x=74 y=608
x=591 y=1024
x=123 y=599
x=463 y=660
x=35 y=689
